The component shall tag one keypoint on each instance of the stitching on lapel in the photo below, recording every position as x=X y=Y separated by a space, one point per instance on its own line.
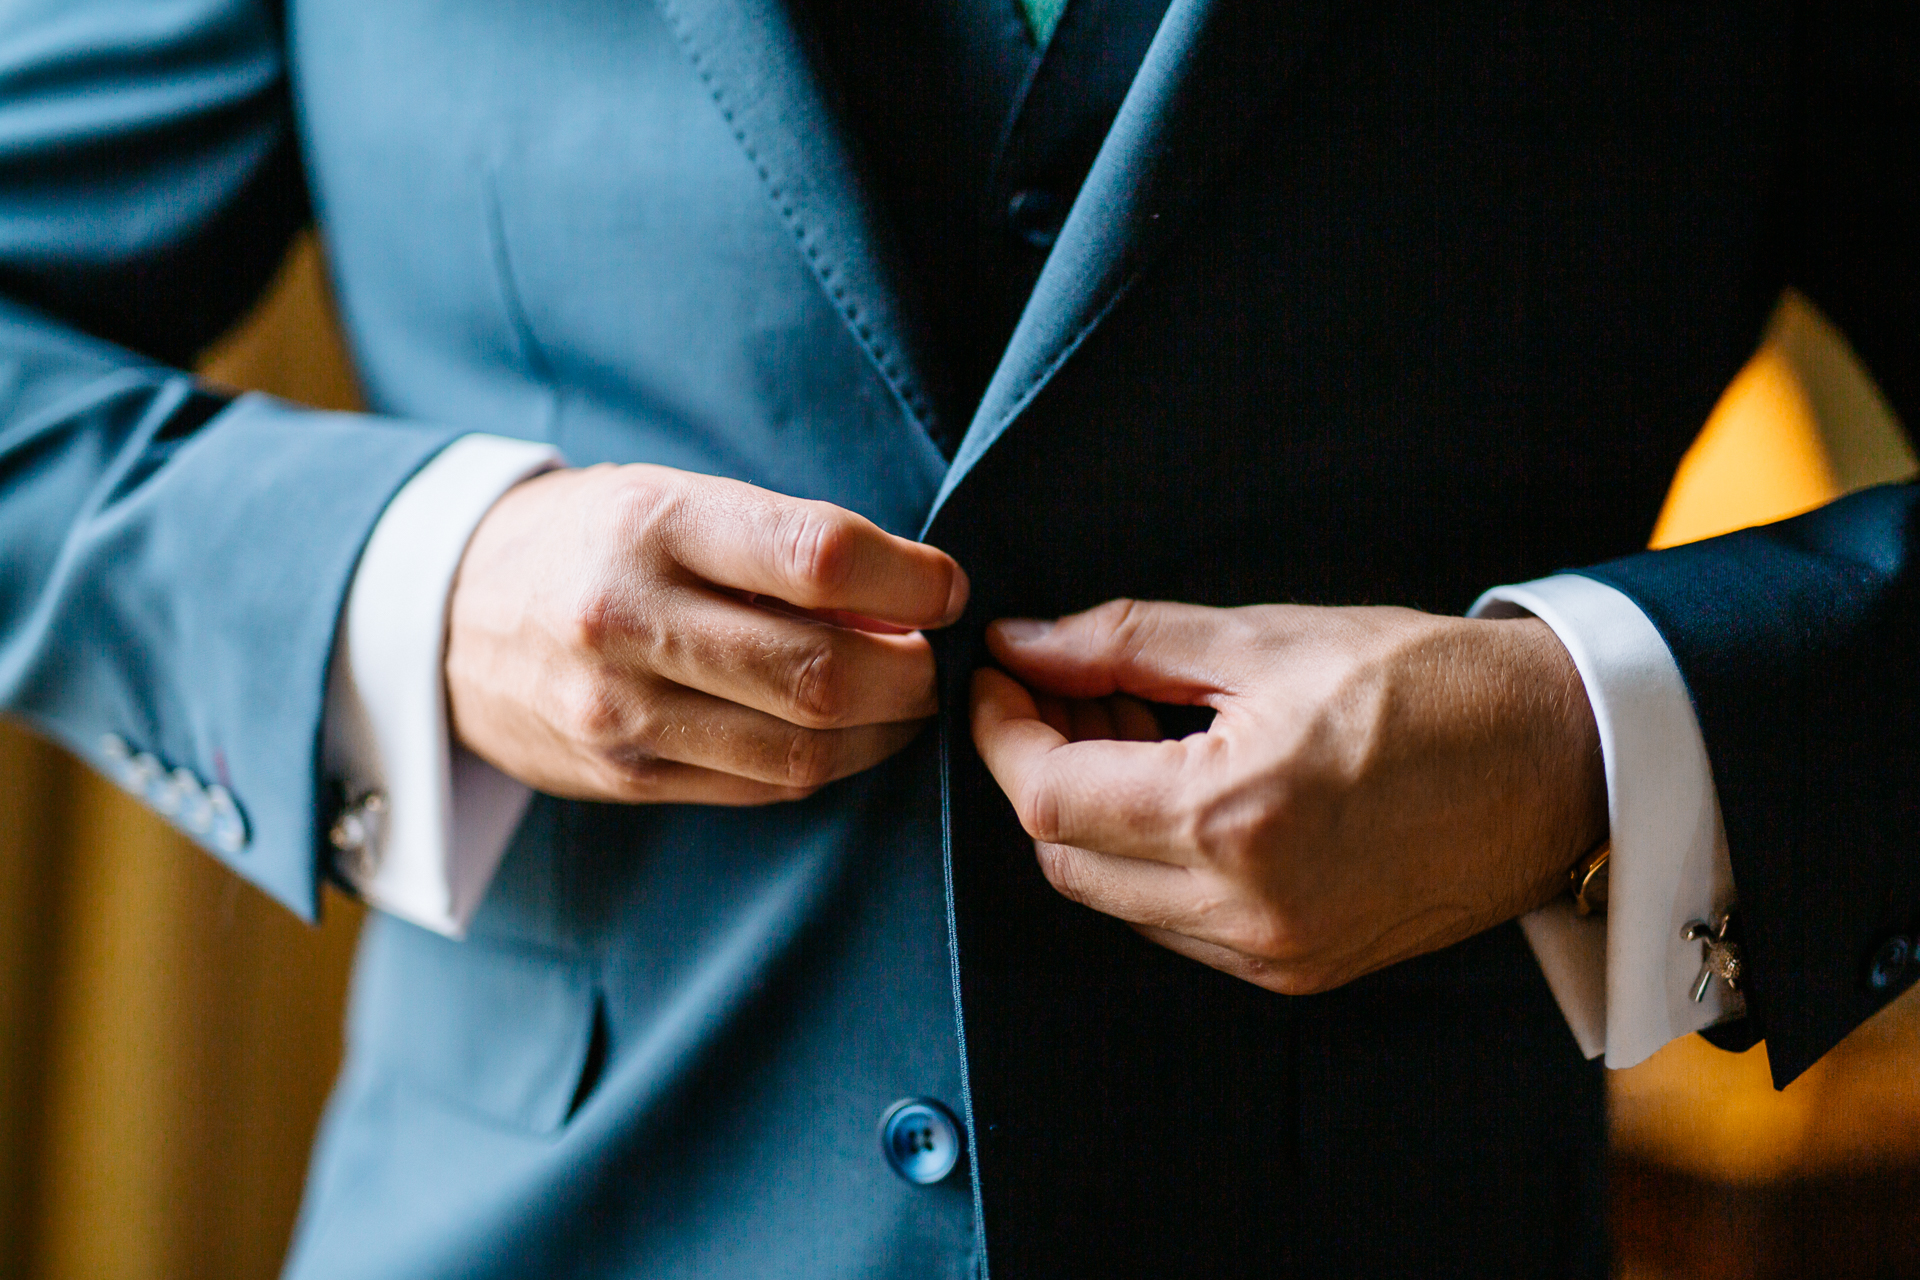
x=889 y=363
x=1045 y=372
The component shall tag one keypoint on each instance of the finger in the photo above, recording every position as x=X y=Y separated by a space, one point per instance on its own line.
x=1187 y=910
x=1163 y=652
x=684 y=726
x=804 y=672
x=1117 y=797
x=1131 y=889
x=669 y=782
x=837 y=617
x=811 y=554
x=1262 y=973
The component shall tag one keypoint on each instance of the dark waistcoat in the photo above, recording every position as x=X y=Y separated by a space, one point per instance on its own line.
x=1274 y=405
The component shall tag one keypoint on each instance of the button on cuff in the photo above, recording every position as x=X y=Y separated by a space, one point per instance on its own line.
x=226 y=827
x=1890 y=963
x=207 y=812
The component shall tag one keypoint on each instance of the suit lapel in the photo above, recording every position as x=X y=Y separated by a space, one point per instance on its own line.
x=1212 y=66
x=752 y=58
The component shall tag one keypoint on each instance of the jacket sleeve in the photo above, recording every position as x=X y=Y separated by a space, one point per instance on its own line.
x=1800 y=642
x=172 y=563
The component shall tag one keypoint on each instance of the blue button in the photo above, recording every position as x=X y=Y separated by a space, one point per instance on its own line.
x=1035 y=216
x=1889 y=963
x=921 y=1140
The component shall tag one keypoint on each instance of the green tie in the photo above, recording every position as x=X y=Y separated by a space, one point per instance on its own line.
x=1042 y=17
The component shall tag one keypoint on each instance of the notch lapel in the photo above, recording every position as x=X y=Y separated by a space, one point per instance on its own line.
x=754 y=61
x=1213 y=65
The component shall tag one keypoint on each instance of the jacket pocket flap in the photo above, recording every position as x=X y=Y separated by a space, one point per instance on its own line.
x=504 y=1032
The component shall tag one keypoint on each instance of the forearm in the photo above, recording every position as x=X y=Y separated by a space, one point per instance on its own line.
x=174 y=568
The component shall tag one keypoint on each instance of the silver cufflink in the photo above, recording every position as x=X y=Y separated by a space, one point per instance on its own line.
x=1720 y=956
x=357 y=834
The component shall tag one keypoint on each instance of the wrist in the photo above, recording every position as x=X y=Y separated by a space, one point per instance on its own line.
x=491 y=616
x=1569 y=769
x=1573 y=764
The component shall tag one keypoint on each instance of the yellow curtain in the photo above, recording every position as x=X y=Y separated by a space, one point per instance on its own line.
x=167 y=1034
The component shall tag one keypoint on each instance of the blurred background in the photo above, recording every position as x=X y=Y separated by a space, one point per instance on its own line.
x=168 y=1035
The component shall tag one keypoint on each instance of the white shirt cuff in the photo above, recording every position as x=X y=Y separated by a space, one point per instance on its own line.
x=1625 y=981
x=448 y=814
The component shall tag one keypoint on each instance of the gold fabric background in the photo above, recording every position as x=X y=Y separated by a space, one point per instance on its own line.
x=167 y=1034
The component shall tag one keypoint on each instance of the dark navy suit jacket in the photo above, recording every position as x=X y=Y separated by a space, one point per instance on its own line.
x=1374 y=303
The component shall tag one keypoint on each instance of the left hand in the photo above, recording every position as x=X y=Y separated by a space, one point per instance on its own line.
x=1377 y=783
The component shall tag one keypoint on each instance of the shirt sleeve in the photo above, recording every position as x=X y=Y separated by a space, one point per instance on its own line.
x=426 y=821
x=1625 y=980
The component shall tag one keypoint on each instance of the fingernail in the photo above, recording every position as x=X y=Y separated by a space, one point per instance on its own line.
x=1022 y=630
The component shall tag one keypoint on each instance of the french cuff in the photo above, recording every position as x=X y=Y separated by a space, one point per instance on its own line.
x=426 y=821
x=1625 y=980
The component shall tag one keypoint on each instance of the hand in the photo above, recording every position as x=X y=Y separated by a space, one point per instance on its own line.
x=1376 y=783
x=640 y=634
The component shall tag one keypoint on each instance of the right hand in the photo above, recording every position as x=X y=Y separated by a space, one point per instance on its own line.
x=645 y=635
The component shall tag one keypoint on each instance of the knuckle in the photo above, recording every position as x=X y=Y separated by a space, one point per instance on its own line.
x=1064 y=869
x=652 y=517
x=1039 y=813
x=810 y=761
x=1226 y=836
x=814 y=547
x=1240 y=830
x=644 y=505
x=597 y=617
x=1119 y=622
x=631 y=779
x=590 y=712
x=605 y=716
x=814 y=693
x=607 y=617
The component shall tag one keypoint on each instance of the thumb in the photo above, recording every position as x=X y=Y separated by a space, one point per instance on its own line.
x=1162 y=652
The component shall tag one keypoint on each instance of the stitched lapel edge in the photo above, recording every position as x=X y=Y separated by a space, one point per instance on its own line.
x=1212 y=66
x=750 y=56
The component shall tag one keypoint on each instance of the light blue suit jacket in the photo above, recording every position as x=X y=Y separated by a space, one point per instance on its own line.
x=666 y=1046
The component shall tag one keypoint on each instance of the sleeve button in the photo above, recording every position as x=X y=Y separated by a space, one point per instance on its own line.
x=142 y=774
x=191 y=805
x=1889 y=963
x=228 y=829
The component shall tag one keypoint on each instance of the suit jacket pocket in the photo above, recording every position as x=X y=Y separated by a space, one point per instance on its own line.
x=501 y=1031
